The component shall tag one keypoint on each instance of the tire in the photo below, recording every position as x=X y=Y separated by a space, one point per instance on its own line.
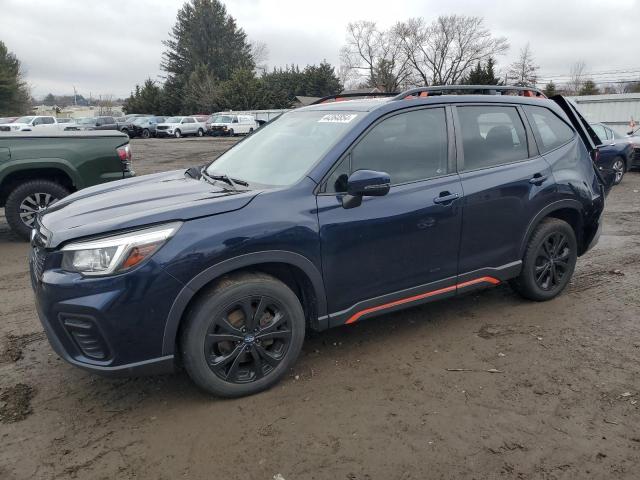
x=126 y=132
x=146 y=133
x=22 y=201
x=177 y=134
x=200 y=132
x=232 y=133
x=250 y=131
x=542 y=279
x=619 y=167
x=248 y=362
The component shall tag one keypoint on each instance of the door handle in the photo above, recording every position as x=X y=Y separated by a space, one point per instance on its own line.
x=446 y=198
x=538 y=179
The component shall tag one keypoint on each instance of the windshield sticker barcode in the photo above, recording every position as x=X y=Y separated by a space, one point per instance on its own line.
x=338 y=118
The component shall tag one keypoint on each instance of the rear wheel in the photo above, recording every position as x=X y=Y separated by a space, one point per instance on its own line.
x=242 y=336
x=619 y=168
x=549 y=261
x=26 y=200
x=177 y=134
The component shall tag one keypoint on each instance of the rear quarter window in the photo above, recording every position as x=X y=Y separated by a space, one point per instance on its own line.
x=549 y=130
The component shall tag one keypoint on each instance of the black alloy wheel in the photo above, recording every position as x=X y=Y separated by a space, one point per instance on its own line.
x=552 y=261
x=248 y=340
x=242 y=335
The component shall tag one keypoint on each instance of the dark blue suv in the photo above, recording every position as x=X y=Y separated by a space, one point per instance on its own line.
x=327 y=216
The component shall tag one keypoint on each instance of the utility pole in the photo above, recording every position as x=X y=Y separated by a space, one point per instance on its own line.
x=75 y=96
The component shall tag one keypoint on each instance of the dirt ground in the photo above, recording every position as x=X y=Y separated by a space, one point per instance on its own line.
x=545 y=390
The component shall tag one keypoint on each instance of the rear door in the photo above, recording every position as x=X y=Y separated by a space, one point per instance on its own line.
x=505 y=183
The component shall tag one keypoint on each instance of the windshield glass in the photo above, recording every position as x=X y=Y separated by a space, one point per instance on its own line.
x=173 y=120
x=141 y=120
x=221 y=119
x=87 y=121
x=281 y=152
x=24 y=120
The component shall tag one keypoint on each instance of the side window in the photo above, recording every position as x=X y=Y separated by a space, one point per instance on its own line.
x=409 y=147
x=491 y=136
x=609 y=132
x=48 y=120
x=38 y=121
x=600 y=131
x=549 y=129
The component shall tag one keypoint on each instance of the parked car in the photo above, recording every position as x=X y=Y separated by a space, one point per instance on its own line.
x=32 y=123
x=66 y=120
x=328 y=215
x=145 y=127
x=231 y=124
x=180 y=127
x=616 y=152
x=5 y=120
x=96 y=123
x=38 y=168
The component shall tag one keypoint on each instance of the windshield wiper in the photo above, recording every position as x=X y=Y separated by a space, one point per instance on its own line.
x=234 y=182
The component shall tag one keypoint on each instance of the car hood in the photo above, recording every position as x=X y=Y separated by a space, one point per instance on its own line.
x=137 y=202
x=168 y=124
x=14 y=125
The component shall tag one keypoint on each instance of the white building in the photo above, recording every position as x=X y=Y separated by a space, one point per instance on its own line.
x=615 y=110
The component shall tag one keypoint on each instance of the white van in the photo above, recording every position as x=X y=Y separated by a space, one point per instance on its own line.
x=231 y=124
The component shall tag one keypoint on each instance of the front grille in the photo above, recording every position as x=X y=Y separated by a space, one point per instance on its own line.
x=86 y=336
x=161 y=127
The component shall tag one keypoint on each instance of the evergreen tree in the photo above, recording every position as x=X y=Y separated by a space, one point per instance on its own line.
x=320 y=80
x=145 y=99
x=15 y=98
x=550 y=89
x=204 y=36
x=589 y=88
x=483 y=75
x=49 y=100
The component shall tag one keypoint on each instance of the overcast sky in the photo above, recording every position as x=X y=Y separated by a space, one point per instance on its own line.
x=106 y=47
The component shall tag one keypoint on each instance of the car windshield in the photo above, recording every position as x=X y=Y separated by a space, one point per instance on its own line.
x=283 y=151
x=173 y=120
x=24 y=119
x=87 y=121
x=141 y=120
x=221 y=119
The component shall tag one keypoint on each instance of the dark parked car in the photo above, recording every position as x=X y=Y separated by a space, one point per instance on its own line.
x=616 y=152
x=329 y=215
x=145 y=127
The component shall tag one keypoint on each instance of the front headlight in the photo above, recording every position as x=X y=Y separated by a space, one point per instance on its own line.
x=116 y=254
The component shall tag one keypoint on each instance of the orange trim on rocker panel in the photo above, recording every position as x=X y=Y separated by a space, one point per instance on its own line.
x=356 y=316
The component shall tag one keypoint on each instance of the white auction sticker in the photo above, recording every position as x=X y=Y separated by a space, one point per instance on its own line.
x=338 y=118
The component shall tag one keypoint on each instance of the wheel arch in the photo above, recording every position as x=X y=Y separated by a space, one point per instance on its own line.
x=293 y=269
x=16 y=177
x=570 y=211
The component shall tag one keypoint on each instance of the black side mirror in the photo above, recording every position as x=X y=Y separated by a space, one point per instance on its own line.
x=365 y=183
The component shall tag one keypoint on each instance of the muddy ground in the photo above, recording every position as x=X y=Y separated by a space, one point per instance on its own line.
x=371 y=401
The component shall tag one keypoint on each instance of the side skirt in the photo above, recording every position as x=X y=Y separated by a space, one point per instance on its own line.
x=486 y=277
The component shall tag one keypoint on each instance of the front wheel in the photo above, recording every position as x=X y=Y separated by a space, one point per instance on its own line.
x=232 y=133
x=26 y=200
x=619 y=169
x=126 y=132
x=200 y=132
x=146 y=133
x=549 y=261
x=242 y=336
x=177 y=134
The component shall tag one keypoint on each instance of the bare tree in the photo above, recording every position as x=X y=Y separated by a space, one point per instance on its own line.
x=260 y=55
x=105 y=105
x=576 y=77
x=443 y=52
x=376 y=55
x=523 y=72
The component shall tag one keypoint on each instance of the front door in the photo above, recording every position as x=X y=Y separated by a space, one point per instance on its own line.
x=401 y=247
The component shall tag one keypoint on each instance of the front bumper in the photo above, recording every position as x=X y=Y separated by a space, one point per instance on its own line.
x=108 y=325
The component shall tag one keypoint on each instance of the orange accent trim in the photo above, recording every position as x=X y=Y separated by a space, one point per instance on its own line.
x=356 y=316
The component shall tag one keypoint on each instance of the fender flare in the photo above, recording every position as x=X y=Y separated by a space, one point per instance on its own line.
x=270 y=256
x=559 y=205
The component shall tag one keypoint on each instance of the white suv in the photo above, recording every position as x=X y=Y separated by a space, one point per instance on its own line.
x=180 y=127
x=31 y=123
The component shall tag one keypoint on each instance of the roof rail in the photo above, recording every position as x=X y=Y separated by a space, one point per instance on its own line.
x=339 y=97
x=470 y=90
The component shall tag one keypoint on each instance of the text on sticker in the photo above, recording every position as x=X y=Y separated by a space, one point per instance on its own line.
x=338 y=118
